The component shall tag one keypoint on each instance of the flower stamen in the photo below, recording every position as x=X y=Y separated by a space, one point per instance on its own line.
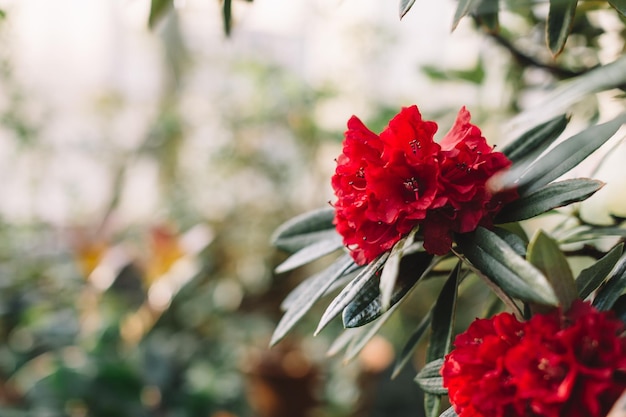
x=415 y=145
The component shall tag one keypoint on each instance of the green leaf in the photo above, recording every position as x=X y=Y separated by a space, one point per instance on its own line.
x=351 y=291
x=567 y=155
x=474 y=75
x=589 y=233
x=392 y=268
x=590 y=278
x=358 y=342
x=411 y=344
x=390 y=273
x=512 y=239
x=443 y=317
x=310 y=253
x=487 y=15
x=544 y=253
x=619 y=5
x=158 y=8
x=509 y=271
x=310 y=283
x=463 y=9
x=363 y=308
x=441 y=330
x=293 y=244
x=429 y=378
x=560 y=21
x=533 y=142
x=405 y=6
x=307 y=296
x=227 y=16
x=569 y=92
x=619 y=307
x=551 y=196
x=613 y=288
x=320 y=220
x=368 y=306
x=485 y=10
x=516 y=229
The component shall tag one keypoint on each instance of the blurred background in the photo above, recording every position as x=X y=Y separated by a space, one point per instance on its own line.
x=144 y=168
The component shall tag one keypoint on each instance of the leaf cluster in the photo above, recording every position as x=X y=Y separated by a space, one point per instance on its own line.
x=527 y=275
x=558 y=26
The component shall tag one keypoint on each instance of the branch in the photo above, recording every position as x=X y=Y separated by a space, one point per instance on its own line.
x=530 y=61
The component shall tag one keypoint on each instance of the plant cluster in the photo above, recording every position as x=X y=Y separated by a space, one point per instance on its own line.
x=409 y=208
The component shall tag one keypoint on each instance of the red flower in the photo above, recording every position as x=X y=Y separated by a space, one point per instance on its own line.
x=464 y=201
x=554 y=365
x=386 y=185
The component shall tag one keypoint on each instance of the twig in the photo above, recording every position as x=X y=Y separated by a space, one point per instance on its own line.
x=530 y=61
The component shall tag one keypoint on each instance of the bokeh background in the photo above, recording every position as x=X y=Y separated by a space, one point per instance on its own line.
x=144 y=167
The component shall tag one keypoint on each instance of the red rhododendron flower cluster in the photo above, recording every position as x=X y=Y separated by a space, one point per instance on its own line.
x=553 y=365
x=387 y=184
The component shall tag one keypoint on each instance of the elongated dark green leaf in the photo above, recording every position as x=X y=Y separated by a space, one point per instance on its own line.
x=405 y=6
x=442 y=330
x=367 y=305
x=516 y=229
x=619 y=5
x=462 y=10
x=544 y=253
x=363 y=308
x=551 y=196
x=619 y=307
x=560 y=20
x=485 y=10
x=509 y=271
x=227 y=15
x=351 y=291
x=306 y=299
x=158 y=8
x=569 y=92
x=310 y=222
x=613 y=288
x=293 y=244
x=359 y=341
x=536 y=140
x=311 y=283
x=503 y=296
x=449 y=413
x=590 y=278
x=429 y=379
x=588 y=233
x=411 y=344
x=310 y=253
x=487 y=15
x=512 y=239
x=359 y=336
x=567 y=155
x=391 y=269
x=443 y=317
